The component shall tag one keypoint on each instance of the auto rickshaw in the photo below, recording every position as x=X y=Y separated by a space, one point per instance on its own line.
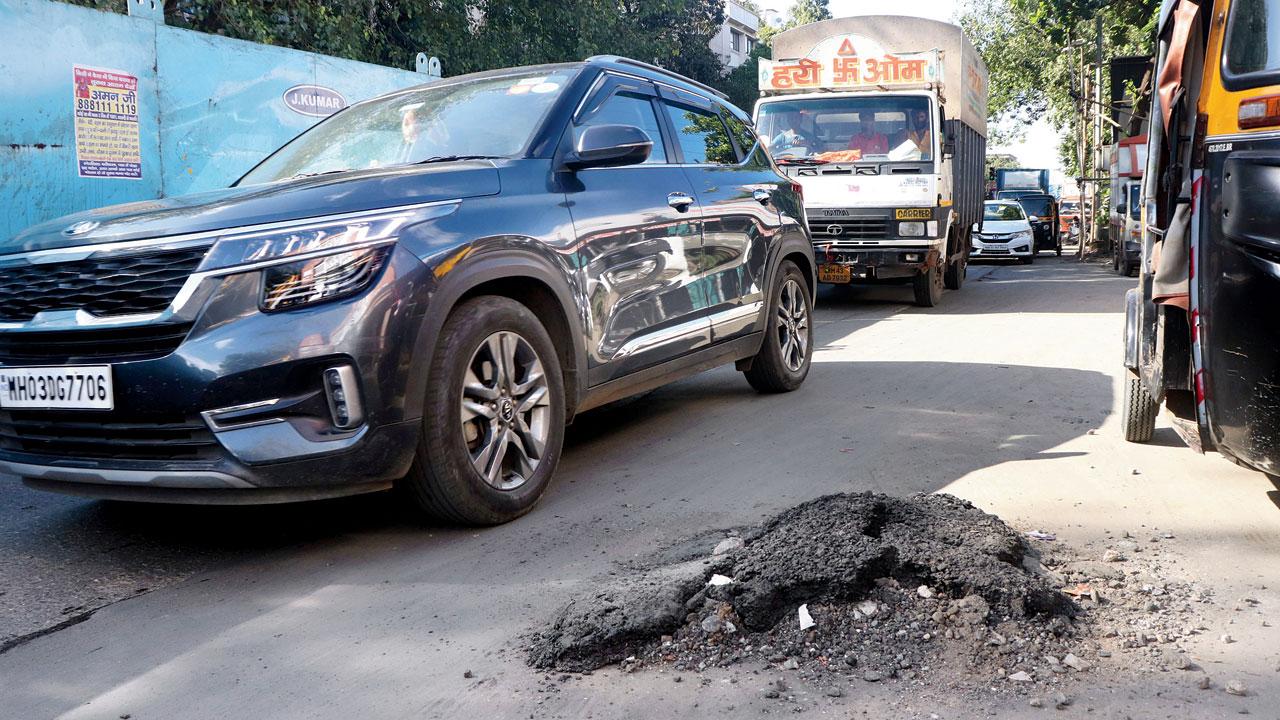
x=1202 y=332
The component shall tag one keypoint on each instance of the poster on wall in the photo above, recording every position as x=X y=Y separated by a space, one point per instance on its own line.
x=106 y=112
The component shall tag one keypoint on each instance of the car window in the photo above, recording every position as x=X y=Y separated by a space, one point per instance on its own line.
x=742 y=133
x=702 y=135
x=629 y=109
x=1001 y=212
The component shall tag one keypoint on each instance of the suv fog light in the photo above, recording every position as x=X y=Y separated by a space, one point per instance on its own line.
x=331 y=277
x=911 y=229
x=343 y=393
x=911 y=257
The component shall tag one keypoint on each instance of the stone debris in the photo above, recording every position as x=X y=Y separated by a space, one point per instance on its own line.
x=1235 y=687
x=806 y=620
x=852 y=554
x=728 y=545
x=912 y=593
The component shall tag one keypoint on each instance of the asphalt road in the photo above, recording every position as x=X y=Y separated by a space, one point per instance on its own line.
x=1006 y=395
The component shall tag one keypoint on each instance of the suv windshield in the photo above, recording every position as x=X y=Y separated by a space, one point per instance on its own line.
x=1039 y=206
x=1000 y=211
x=847 y=129
x=489 y=117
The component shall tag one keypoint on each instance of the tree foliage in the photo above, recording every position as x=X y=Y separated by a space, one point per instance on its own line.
x=804 y=12
x=1028 y=47
x=467 y=35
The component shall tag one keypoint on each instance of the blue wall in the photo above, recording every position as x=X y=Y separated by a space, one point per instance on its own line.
x=209 y=107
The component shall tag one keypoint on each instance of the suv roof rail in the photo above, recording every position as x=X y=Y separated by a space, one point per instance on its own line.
x=661 y=70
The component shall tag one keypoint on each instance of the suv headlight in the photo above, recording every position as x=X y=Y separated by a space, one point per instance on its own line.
x=313 y=261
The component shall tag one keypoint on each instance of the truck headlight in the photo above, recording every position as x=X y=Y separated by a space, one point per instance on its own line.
x=312 y=261
x=911 y=229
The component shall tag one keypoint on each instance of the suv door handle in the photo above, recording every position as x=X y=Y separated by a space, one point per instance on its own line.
x=761 y=195
x=680 y=201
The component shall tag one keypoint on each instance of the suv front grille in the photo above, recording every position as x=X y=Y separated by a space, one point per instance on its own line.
x=65 y=347
x=852 y=228
x=106 y=435
x=110 y=286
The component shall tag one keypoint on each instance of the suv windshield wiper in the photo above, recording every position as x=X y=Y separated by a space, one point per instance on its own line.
x=316 y=174
x=452 y=158
x=801 y=161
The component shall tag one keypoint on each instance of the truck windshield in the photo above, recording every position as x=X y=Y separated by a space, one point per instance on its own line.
x=448 y=120
x=849 y=129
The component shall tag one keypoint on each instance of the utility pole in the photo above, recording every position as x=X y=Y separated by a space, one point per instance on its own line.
x=1082 y=93
x=1097 y=125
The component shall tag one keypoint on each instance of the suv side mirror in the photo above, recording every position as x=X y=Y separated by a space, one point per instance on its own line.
x=609 y=146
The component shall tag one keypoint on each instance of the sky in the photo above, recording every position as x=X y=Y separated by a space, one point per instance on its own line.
x=1039 y=146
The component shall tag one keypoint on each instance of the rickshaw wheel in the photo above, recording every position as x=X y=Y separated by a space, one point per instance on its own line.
x=1139 y=410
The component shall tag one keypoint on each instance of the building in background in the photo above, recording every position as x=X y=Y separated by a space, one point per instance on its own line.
x=737 y=37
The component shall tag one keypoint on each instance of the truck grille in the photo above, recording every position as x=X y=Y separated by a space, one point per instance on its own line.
x=64 y=347
x=852 y=228
x=125 y=285
x=106 y=435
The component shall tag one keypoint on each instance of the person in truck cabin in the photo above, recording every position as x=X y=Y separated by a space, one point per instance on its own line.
x=790 y=136
x=868 y=140
x=918 y=132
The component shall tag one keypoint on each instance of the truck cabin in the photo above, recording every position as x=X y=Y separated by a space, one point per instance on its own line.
x=899 y=130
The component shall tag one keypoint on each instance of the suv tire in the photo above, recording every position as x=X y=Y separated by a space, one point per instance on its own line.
x=784 y=358
x=479 y=408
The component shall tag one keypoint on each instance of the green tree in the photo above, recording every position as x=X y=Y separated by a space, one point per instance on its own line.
x=804 y=12
x=1028 y=47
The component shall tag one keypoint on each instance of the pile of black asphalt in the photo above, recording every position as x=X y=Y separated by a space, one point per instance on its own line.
x=834 y=550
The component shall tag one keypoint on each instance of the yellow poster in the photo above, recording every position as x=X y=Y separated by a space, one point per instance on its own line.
x=106 y=107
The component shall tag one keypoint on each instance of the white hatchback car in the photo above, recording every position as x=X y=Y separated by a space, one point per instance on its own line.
x=1005 y=232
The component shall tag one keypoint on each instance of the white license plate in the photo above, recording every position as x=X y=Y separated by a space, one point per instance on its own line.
x=86 y=387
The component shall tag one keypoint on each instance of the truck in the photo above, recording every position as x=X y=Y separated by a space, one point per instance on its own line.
x=1127 y=160
x=1011 y=182
x=882 y=121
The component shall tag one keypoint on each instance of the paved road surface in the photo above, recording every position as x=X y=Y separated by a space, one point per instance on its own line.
x=351 y=609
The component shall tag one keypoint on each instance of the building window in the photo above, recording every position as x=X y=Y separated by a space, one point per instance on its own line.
x=736 y=39
x=751 y=44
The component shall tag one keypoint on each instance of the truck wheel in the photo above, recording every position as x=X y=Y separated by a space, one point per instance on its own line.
x=493 y=421
x=956 y=273
x=928 y=287
x=1139 y=411
x=783 y=361
x=1122 y=263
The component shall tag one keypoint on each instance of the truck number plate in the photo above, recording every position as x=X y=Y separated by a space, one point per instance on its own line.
x=913 y=214
x=57 y=388
x=835 y=273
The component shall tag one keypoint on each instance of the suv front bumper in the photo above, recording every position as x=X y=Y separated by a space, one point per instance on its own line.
x=179 y=431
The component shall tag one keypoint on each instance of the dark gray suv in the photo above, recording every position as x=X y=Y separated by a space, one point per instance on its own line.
x=421 y=290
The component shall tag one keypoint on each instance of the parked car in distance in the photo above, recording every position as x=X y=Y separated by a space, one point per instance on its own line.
x=420 y=290
x=1005 y=232
x=1042 y=213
